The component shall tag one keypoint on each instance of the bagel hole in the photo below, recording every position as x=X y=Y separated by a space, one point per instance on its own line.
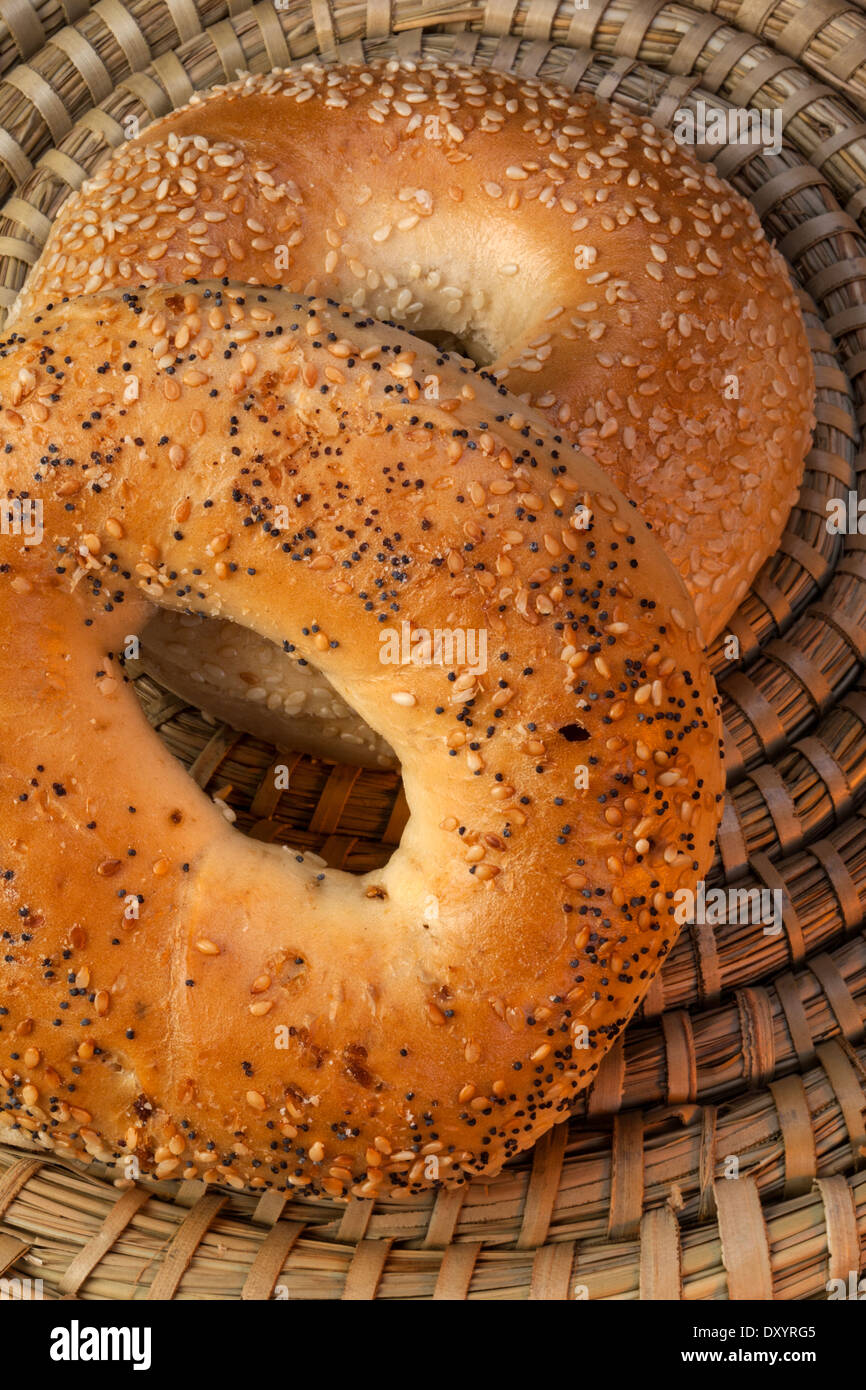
x=199 y=680
x=442 y=338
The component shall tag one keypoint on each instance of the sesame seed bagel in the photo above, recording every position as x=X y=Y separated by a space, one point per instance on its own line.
x=599 y=270
x=179 y=998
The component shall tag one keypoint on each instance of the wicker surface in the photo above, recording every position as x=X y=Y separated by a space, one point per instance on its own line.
x=748 y=1047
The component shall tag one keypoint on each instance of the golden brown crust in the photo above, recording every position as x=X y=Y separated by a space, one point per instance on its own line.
x=210 y=1005
x=607 y=276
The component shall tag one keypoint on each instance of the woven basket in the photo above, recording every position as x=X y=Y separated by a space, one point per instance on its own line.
x=719 y=1154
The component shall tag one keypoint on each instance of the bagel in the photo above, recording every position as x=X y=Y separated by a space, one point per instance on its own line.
x=193 y=1004
x=582 y=256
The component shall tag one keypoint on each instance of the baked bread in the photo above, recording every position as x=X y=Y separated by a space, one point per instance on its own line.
x=590 y=263
x=190 y=1003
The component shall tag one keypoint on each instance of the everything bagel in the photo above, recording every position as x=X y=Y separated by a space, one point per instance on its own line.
x=591 y=264
x=212 y=1007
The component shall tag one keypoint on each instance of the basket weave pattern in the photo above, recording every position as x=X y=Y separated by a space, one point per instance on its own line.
x=747 y=1045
